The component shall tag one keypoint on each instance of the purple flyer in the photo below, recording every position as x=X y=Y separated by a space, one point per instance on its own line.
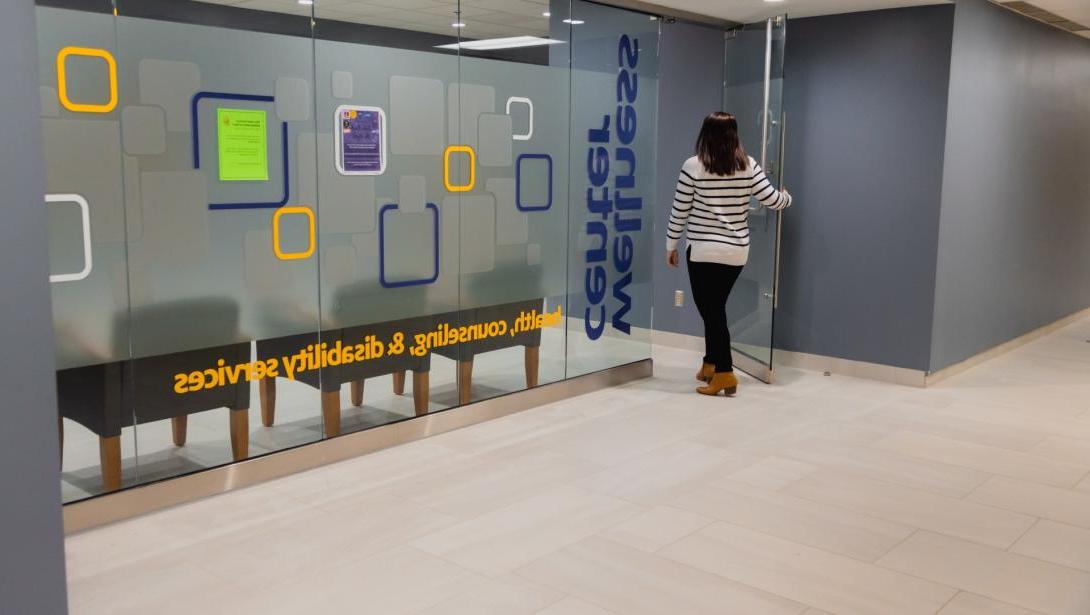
x=360 y=144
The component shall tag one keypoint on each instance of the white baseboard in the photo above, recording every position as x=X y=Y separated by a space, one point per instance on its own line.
x=811 y=362
x=694 y=343
x=877 y=371
x=1005 y=347
x=855 y=369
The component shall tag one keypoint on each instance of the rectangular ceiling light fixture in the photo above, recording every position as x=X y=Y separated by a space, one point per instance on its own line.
x=510 y=42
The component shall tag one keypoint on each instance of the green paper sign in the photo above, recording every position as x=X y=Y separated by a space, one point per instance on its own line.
x=243 y=145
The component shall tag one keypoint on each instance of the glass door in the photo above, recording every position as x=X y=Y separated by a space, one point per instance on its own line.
x=753 y=92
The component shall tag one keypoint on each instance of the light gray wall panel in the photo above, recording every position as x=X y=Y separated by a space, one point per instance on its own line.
x=32 y=576
x=865 y=95
x=1014 y=242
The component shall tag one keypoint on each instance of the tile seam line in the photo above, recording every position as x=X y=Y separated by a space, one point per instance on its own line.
x=825 y=504
x=516 y=572
x=946 y=534
x=1078 y=571
x=667 y=559
x=858 y=474
x=825 y=551
x=1061 y=462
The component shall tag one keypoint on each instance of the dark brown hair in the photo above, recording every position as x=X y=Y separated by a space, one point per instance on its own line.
x=718 y=146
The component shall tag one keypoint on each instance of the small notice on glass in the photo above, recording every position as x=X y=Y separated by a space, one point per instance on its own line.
x=243 y=145
x=361 y=140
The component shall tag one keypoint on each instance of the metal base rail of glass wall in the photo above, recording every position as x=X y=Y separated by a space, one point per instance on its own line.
x=286 y=234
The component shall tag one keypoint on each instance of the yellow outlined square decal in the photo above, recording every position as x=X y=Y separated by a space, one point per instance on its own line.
x=464 y=149
x=291 y=256
x=62 y=80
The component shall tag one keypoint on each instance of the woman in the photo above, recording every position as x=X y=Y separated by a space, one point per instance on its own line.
x=712 y=205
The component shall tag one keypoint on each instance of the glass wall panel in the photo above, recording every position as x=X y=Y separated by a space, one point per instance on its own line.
x=614 y=102
x=387 y=148
x=513 y=107
x=82 y=146
x=218 y=130
x=753 y=92
x=274 y=221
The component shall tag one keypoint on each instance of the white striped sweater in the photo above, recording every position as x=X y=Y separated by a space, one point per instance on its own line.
x=714 y=209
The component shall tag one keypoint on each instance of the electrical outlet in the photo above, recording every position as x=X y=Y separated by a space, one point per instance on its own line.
x=679 y=298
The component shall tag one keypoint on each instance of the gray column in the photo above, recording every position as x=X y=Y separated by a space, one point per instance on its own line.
x=32 y=577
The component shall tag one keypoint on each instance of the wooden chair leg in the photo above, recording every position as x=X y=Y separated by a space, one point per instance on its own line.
x=533 y=359
x=331 y=413
x=399 y=383
x=240 y=433
x=266 y=390
x=357 y=393
x=465 y=380
x=178 y=429
x=109 y=456
x=421 y=392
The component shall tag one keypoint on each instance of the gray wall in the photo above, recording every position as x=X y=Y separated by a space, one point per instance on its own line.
x=690 y=87
x=865 y=95
x=32 y=578
x=1014 y=242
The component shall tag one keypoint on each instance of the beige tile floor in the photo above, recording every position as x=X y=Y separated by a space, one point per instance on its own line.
x=817 y=495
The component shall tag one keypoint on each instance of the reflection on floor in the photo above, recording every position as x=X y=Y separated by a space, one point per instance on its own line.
x=820 y=494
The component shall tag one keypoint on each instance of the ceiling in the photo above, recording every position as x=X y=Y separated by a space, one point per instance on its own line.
x=1074 y=10
x=483 y=18
x=498 y=18
x=747 y=11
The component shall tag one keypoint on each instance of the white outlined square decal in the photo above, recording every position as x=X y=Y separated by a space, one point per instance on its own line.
x=85 y=217
x=529 y=103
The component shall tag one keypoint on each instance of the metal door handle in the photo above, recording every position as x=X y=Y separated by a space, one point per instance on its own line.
x=777 y=257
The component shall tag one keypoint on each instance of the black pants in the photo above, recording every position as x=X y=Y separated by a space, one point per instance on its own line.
x=712 y=283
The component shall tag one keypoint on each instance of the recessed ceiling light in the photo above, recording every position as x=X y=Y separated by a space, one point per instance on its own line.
x=458 y=24
x=308 y=2
x=510 y=42
x=575 y=22
x=546 y=14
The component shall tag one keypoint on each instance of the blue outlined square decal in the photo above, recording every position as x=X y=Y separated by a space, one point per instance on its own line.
x=518 y=182
x=195 y=126
x=434 y=209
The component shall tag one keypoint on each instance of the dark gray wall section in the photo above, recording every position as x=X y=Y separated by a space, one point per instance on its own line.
x=865 y=95
x=32 y=578
x=1014 y=242
x=690 y=87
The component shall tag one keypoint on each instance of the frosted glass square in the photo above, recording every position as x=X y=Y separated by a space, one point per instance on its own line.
x=416 y=115
x=170 y=85
x=494 y=140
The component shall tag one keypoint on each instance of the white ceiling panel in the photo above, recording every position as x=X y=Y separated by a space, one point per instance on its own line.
x=495 y=18
x=753 y=10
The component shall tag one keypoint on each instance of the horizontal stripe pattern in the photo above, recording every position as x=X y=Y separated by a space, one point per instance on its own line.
x=713 y=210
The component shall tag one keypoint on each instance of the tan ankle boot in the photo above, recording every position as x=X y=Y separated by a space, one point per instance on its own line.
x=706 y=372
x=725 y=382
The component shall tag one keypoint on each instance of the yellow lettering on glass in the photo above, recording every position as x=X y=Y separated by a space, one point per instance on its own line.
x=369 y=348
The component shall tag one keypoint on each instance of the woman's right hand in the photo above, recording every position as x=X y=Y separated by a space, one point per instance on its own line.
x=672 y=258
